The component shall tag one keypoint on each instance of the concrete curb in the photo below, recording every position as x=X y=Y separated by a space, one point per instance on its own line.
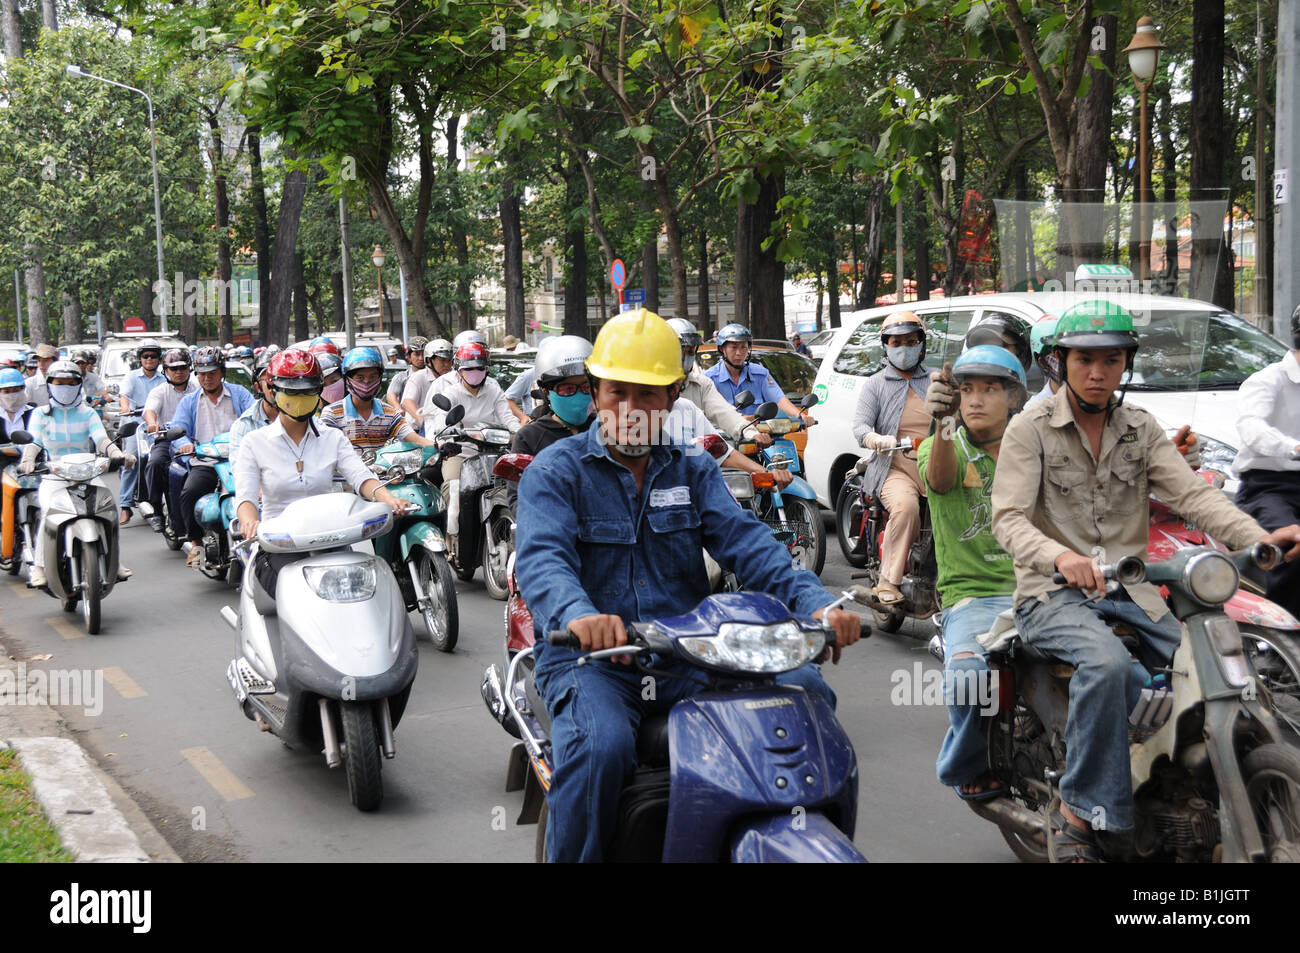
x=76 y=802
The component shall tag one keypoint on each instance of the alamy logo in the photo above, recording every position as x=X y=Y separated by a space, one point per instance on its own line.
x=73 y=688
x=75 y=906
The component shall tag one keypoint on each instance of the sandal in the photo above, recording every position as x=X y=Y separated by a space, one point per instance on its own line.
x=1068 y=844
x=987 y=781
x=887 y=595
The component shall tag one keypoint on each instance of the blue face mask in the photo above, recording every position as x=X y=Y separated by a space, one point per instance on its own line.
x=573 y=410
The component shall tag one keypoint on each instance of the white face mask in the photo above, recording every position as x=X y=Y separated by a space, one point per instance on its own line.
x=65 y=395
x=14 y=402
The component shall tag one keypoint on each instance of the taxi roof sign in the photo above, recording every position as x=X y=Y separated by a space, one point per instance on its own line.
x=1084 y=272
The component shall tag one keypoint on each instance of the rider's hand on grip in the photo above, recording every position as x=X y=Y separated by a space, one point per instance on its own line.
x=879 y=441
x=1079 y=572
x=846 y=627
x=1288 y=538
x=941 y=395
x=596 y=632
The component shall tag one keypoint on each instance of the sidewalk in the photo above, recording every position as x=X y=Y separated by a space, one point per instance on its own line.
x=97 y=821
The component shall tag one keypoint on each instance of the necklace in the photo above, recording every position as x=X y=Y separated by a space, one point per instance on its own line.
x=298 y=454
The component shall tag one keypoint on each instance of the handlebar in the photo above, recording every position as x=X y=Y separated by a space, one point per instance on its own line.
x=1130 y=570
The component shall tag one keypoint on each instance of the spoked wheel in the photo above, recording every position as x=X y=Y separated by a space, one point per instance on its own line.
x=92 y=591
x=811 y=538
x=498 y=544
x=1272 y=774
x=848 y=524
x=438 y=590
x=361 y=758
x=171 y=537
x=1276 y=658
x=1026 y=729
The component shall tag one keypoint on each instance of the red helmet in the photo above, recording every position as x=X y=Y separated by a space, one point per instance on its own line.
x=323 y=345
x=295 y=370
x=471 y=355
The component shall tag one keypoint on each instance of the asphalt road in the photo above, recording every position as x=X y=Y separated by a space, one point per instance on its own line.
x=218 y=789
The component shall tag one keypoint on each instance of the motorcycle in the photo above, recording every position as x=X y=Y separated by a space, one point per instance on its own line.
x=706 y=787
x=416 y=550
x=1215 y=776
x=19 y=518
x=215 y=512
x=483 y=512
x=791 y=512
x=81 y=531
x=860 y=521
x=328 y=662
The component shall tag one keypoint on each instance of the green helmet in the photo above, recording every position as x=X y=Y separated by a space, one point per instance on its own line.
x=1040 y=334
x=1096 y=325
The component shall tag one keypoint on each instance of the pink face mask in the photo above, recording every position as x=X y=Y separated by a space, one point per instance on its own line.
x=333 y=392
x=473 y=376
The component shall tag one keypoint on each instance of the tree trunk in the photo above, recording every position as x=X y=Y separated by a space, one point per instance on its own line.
x=424 y=317
x=261 y=233
x=221 y=201
x=1169 y=200
x=10 y=26
x=144 y=299
x=276 y=309
x=1090 y=139
x=758 y=272
x=703 y=284
x=650 y=272
x=575 y=256
x=459 y=236
x=676 y=251
x=833 y=291
x=1209 y=144
x=336 y=296
x=300 y=329
x=38 y=320
x=73 y=331
x=512 y=238
x=49 y=16
x=873 y=244
x=921 y=253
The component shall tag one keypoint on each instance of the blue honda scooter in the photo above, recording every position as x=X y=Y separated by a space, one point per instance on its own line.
x=746 y=771
x=215 y=512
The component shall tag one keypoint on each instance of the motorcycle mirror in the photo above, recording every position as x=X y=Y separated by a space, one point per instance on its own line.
x=809 y=400
x=537 y=394
x=455 y=415
x=174 y=433
x=128 y=429
x=20 y=437
x=766 y=411
x=449 y=449
x=743 y=399
x=540 y=411
x=428 y=474
x=441 y=402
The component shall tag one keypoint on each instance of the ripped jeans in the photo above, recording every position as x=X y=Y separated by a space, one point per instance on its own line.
x=967 y=688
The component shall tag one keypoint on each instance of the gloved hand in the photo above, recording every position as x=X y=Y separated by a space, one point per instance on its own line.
x=941 y=396
x=28 y=463
x=129 y=460
x=1188 y=446
x=879 y=441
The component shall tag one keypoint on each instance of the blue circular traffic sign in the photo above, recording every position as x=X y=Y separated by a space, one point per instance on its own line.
x=616 y=274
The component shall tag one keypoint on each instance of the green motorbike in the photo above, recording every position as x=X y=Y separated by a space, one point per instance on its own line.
x=416 y=547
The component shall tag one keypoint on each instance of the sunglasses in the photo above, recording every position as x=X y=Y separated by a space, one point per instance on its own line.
x=568 y=390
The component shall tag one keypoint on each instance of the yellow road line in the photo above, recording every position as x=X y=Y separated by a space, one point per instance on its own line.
x=125 y=685
x=22 y=590
x=217 y=774
x=64 y=628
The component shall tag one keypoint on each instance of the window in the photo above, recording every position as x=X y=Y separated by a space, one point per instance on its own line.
x=863 y=355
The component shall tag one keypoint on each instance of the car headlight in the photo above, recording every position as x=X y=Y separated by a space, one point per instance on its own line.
x=1216 y=455
x=79 y=472
x=765 y=649
x=1211 y=578
x=351 y=582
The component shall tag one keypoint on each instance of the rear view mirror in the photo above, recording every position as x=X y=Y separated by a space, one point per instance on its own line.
x=455 y=415
x=20 y=437
x=128 y=429
x=441 y=402
x=766 y=411
x=809 y=400
x=428 y=474
x=743 y=399
x=175 y=433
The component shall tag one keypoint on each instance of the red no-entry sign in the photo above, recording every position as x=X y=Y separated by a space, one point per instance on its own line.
x=133 y=324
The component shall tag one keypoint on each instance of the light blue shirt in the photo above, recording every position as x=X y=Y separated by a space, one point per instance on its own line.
x=755 y=378
x=136 y=387
x=60 y=431
x=521 y=390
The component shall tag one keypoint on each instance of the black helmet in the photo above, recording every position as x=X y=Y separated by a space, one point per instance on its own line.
x=1295 y=327
x=264 y=360
x=1004 y=330
x=177 y=357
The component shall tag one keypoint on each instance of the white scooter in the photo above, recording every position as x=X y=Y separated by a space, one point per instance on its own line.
x=328 y=663
x=80 y=536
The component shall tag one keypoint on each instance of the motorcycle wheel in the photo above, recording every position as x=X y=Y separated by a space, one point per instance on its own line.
x=1279 y=668
x=799 y=510
x=93 y=587
x=361 y=757
x=437 y=586
x=1272 y=774
x=497 y=538
x=170 y=536
x=217 y=571
x=848 y=520
x=539 y=847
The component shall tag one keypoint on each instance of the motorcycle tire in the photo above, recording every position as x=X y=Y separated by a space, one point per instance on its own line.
x=539 y=846
x=494 y=571
x=1279 y=668
x=848 y=523
x=361 y=758
x=92 y=592
x=799 y=510
x=888 y=621
x=1272 y=775
x=442 y=619
x=212 y=571
x=170 y=536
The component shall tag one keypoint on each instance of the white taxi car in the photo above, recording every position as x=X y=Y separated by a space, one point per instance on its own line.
x=1193 y=357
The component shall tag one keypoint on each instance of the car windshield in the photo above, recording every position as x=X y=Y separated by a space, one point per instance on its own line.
x=118 y=361
x=1200 y=350
x=505 y=369
x=793 y=372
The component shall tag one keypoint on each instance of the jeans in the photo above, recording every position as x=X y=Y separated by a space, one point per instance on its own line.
x=964 y=754
x=1107 y=683
x=1273 y=499
x=126 y=495
x=595 y=712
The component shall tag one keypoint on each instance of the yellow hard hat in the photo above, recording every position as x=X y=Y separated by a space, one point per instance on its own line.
x=638 y=347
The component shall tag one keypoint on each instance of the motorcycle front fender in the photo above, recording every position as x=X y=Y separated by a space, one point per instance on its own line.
x=795 y=838
x=801 y=488
x=422 y=534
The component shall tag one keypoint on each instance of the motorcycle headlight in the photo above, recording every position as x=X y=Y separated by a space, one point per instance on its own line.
x=763 y=649
x=408 y=460
x=501 y=437
x=351 y=582
x=1211 y=578
x=739 y=483
x=79 y=472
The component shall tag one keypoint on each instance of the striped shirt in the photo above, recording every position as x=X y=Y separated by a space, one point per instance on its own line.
x=385 y=423
x=59 y=431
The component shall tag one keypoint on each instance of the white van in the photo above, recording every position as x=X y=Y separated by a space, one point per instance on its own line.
x=1193 y=358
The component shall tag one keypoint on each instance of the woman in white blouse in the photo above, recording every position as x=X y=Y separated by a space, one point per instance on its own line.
x=291 y=458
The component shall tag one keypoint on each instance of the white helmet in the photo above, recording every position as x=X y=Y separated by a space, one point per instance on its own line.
x=563 y=356
x=468 y=337
x=439 y=347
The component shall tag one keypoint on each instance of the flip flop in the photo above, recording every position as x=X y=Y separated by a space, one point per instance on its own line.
x=987 y=794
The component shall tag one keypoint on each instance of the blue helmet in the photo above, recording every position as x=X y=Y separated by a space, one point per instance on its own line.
x=988 y=360
x=734 y=332
x=11 y=377
x=360 y=357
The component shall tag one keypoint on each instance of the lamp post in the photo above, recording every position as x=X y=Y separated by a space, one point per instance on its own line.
x=1143 y=58
x=377 y=256
x=157 y=200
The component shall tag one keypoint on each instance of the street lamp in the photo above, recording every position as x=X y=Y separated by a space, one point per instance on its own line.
x=1143 y=57
x=157 y=201
x=377 y=256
